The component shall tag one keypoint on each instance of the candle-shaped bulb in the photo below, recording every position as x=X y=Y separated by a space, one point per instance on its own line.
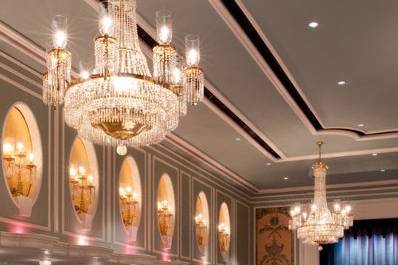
x=337 y=207
x=72 y=171
x=60 y=36
x=347 y=209
x=121 y=191
x=20 y=147
x=164 y=26
x=82 y=170
x=135 y=196
x=192 y=50
x=106 y=25
x=8 y=149
x=60 y=39
x=84 y=74
x=31 y=158
x=129 y=190
x=177 y=75
x=90 y=180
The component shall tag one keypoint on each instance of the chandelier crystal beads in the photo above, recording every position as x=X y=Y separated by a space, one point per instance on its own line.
x=319 y=225
x=120 y=102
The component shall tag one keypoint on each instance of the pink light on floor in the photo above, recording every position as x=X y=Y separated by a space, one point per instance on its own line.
x=130 y=250
x=166 y=255
x=18 y=228
x=82 y=240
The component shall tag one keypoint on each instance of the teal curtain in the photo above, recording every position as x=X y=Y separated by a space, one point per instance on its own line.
x=366 y=245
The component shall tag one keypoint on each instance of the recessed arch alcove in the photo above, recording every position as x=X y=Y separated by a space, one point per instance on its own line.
x=22 y=160
x=166 y=210
x=83 y=181
x=202 y=223
x=130 y=197
x=224 y=231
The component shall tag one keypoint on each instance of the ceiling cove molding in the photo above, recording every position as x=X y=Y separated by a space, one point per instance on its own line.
x=213 y=98
x=249 y=33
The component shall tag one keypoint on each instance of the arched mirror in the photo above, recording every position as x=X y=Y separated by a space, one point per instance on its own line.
x=166 y=210
x=224 y=231
x=202 y=223
x=22 y=157
x=130 y=197
x=83 y=181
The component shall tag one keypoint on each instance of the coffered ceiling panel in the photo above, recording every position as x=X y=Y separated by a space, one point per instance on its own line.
x=355 y=41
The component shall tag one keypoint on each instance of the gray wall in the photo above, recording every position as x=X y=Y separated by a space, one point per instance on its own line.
x=53 y=212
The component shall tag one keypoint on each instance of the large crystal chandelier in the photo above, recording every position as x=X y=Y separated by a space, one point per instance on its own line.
x=120 y=102
x=320 y=225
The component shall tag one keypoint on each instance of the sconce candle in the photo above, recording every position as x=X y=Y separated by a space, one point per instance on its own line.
x=223 y=237
x=82 y=189
x=201 y=231
x=129 y=206
x=20 y=168
x=164 y=217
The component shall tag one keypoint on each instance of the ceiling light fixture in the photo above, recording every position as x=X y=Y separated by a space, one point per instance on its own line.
x=361 y=125
x=313 y=24
x=382 y=170
x=120 y=102
x=342 y=83
x=237 y=139
x=318 y=225
x=286 y=178
x=268 y=164
x=375 y=154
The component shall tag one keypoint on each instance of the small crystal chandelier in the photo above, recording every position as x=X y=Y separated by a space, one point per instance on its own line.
x=320 y=225
x=120 y=102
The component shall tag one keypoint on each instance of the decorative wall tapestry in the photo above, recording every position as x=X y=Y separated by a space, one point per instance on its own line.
x=274 y=241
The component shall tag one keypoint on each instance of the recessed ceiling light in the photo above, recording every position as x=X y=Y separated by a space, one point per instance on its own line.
x=268 y=164
x=237 y=139
x=286 y=178
x=382 y=170
x=342 y=83
x=374 y=154
x=361 y=125
x=313 y=24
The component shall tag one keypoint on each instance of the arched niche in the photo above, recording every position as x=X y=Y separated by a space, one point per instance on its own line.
x=83 y=181
x=202 y=223
x=224 y=231
x=166 y=210
x=130 y=197
x=22 y=159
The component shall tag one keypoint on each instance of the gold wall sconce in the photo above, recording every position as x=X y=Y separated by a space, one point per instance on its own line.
x=129 y=206
x=224 y=231
x=82 y=192
x=166 y=222
x=20 y=170
x=201 y=229
x=202 y=224
x=223 y=238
